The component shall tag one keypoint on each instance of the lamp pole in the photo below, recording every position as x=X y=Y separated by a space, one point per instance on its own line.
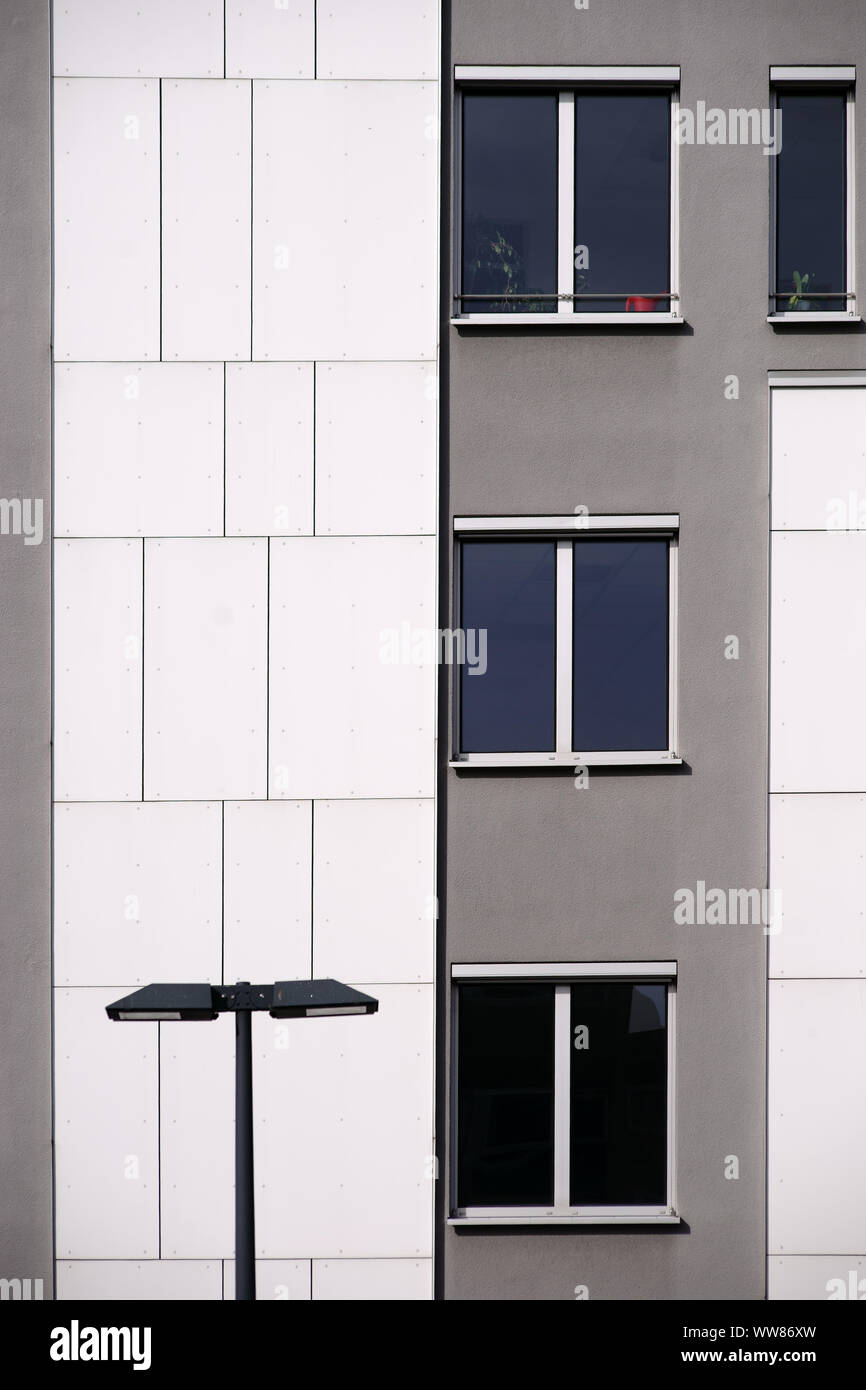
x=173 y=1003
x=245 y=1206
x=243 y=999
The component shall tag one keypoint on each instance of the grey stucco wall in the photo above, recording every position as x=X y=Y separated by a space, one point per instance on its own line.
x=25 y=577
x=637 y=421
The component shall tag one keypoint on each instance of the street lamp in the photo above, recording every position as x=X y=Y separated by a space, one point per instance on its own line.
x=203 y=1003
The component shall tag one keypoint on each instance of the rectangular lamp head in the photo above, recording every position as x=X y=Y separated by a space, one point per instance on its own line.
x=164 y=1004
x=319 y=999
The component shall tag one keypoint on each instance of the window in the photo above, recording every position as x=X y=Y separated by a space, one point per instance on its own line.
x=812 y=189
x=565 y=195
x=563 y=1093
x=576 y=618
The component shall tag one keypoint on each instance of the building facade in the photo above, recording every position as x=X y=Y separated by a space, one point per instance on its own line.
x=639 y=152
x=449 y=423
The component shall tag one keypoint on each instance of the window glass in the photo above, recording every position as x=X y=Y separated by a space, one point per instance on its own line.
x=505 y=1107
x=620 y=696
x=509 y=589
x=618 y=1095
x=811 y=202
x=622 y=200
x=509 y=200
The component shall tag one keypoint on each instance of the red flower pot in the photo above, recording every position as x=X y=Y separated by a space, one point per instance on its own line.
x=640 y=304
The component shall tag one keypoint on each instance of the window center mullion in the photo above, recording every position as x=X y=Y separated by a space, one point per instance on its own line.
x=565 y=203
x=562 y=1099
x=564 y=643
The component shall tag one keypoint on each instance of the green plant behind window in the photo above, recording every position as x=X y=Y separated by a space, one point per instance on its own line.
x=496 y=267
x=801 y=285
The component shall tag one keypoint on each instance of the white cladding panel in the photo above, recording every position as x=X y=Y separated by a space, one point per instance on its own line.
x=106 y=1130
x=205 y=669
x=206 y=200
x=819 y=458
x=144 y=1280
x=268 y=890
x=197 y=1137
x=395 y=40
x=283 y=1281
x=375 y=886
x=345 y=220
x=817 y=661
x=360 y=1093
x=351 y=714
x=817 y=1117
x=375 y=448
x=269 y=449
x=832 y=1278
x=366 y=1280
x=818 y=865
x=138 y=892
x=106 y=220
x=269 y=39
x=97 y=670
x=128 y=38
x=138 y=449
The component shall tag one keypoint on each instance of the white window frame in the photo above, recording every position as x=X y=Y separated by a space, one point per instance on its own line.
x=562 y=976
x=786 y=78
x=566 y=81
x=564 y=529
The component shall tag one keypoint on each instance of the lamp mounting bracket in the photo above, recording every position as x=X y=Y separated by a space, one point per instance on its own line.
x=242 y=997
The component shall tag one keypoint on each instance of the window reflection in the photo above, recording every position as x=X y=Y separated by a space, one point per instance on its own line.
x=509 y=201
x=509 y=588
x=619 y=1095
x=811 y=198
x=622 y=200
x=505 y=1118
x=620 y=645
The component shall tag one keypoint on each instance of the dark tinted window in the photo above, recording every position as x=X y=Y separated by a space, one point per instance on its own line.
x=505 y=1106
x=620 y=645
x=509 y=589
x=622 y=198
x=509 y=199
x=811 y=201
x=619 y=1095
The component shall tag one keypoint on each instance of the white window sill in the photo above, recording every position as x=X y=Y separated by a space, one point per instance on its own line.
x=819 y=317
x=567 y=1219
x=650 y=758
x=635 y=320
